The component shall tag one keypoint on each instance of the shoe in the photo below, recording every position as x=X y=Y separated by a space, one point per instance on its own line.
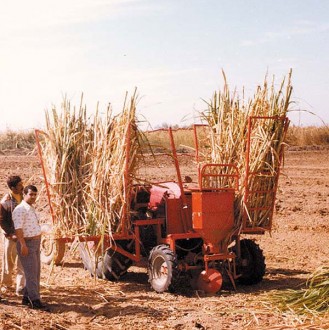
x=19 y=292
x=37 y=304
x=26 y=301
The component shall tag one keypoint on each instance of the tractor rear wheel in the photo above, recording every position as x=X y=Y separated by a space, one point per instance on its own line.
x=113 y=266
x=252 y=263
x=162 y=268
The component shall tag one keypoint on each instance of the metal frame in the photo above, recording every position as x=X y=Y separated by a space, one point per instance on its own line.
x=261 y=230
x=245 y=228
x=106 y=239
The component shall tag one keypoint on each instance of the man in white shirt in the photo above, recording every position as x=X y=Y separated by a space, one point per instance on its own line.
x=28 y=234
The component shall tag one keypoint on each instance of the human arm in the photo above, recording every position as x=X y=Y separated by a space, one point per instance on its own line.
x=1 y=214
x=19 y=219
x=21 y=240
x=3 y=211
x=6 y=222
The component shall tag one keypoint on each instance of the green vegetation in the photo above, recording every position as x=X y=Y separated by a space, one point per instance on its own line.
x=313 y=299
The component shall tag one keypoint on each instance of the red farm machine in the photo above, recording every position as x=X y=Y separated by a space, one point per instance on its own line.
x=182 y=232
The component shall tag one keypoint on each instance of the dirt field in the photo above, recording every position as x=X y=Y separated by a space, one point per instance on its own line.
x=297 y=245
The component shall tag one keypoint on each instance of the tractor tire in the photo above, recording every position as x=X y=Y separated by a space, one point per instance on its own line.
x=113 y=266
x=252 y=263
x=162 y=269
x=51 y=250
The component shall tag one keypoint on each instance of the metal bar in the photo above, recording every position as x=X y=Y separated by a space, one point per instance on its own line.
x=216 y=175
x=219 y=256
x=37 y=132
x=196 y=144
x=158 y=233
x=285 y=129
x=196 y=140
x=182 y=236
x=171 y=239
x=137 y=244
x=214 y=189
x=268 y=174
x=249 y=173
x=234 y=176
x=261 y=191
x=254 y=230
x=65 y=239
x=119 y=249
x=126 y=185
x=149 y=222
x=246 y=194
x=132 y=256
x=95 y=238
x=180 y=183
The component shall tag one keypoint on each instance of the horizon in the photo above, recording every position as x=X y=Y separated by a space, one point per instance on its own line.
x=173 y=52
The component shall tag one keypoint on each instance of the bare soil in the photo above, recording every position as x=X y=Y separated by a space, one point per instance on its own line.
x=297 y=245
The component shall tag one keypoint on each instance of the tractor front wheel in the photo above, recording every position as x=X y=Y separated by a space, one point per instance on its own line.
x=162 y=268
x=252 y=263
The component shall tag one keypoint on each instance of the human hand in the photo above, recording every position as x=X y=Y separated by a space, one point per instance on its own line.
x=24 y=250
x=12 y=237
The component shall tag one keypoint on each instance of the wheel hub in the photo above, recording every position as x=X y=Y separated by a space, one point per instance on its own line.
x=210 y=281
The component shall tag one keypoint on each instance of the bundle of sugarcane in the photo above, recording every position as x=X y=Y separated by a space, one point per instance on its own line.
x=229 y=132
x=66 y=163
x=90 y=163
x=226 y=132
x=116 y=155
x=314 y=299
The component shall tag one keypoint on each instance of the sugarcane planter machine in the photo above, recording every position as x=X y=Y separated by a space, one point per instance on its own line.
x=181 y=232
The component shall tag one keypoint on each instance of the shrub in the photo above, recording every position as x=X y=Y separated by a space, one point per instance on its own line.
x=17 y=140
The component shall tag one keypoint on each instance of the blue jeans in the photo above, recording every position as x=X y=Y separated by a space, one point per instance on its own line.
x=31 y=267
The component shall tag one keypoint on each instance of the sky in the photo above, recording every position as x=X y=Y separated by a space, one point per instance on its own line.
x=172 y=51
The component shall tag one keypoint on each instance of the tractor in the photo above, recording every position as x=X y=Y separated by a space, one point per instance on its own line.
x=180 y=230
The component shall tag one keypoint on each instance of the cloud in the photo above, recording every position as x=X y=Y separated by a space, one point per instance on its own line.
x=17 y=15
x=301 y=27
